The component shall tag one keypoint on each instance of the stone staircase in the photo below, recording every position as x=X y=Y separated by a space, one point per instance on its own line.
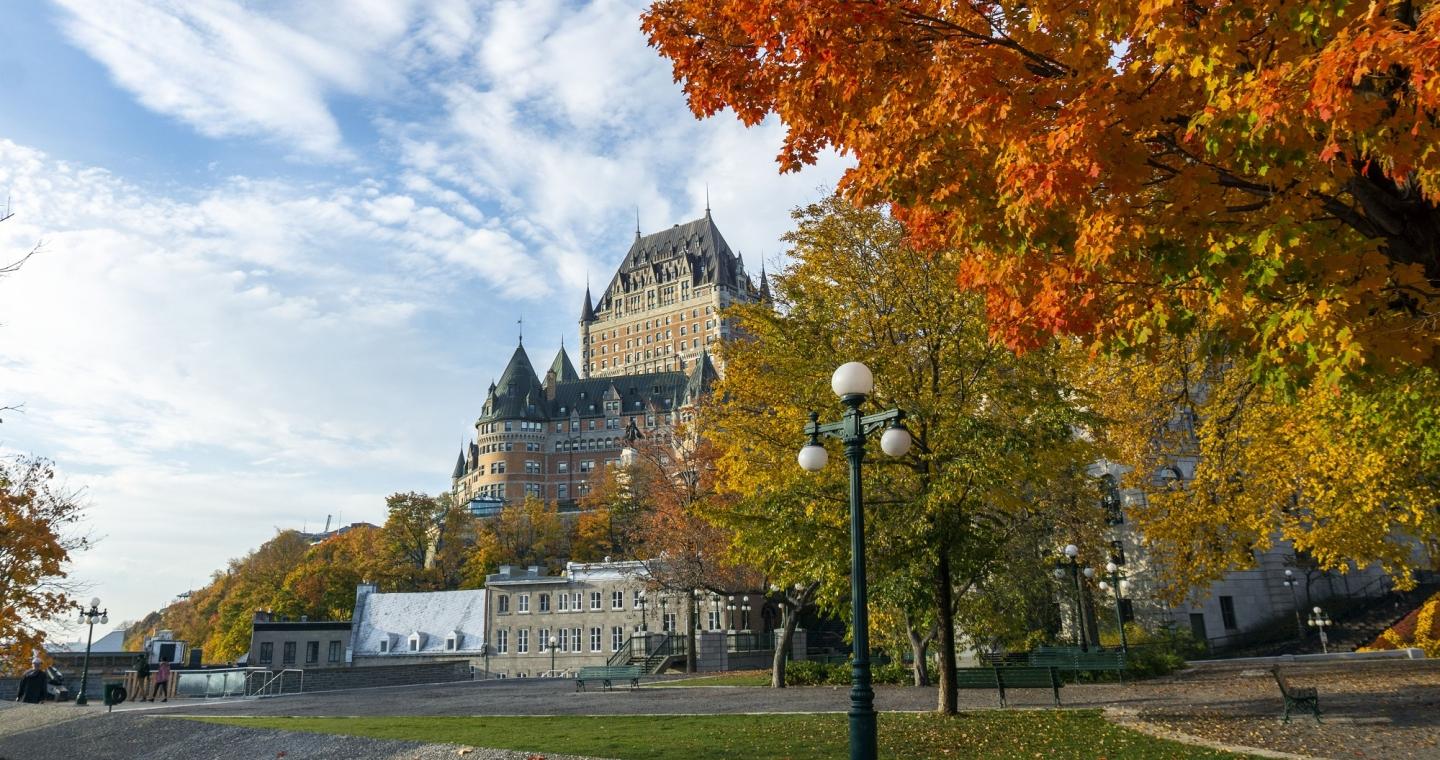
x=1362 y=628
x=1357 y=623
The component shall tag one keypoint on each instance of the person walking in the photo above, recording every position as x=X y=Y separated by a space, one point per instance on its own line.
x=32 y=684
x=162 y=682
x=142 y=676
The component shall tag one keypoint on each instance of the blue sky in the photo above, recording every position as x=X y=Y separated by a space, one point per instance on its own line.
x=285 y=245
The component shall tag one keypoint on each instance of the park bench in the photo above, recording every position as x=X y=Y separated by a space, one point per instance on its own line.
x=1001 y=678
x=1076 y=659
x=606 y=675
x=1301 y=698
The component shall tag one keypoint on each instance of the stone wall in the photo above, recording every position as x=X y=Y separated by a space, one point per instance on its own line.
x=330 y=679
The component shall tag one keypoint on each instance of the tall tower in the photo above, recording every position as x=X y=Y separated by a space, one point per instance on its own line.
x=587 y=317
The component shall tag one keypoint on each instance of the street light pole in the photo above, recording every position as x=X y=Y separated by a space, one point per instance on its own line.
x=553 y=642
x=1319 y=620
x=1115 y=583
x=853 y=382
x=90 y=617
x=1291 y=582
x=1070 y=563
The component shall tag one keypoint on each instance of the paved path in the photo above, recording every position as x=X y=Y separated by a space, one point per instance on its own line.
x=1390 y=712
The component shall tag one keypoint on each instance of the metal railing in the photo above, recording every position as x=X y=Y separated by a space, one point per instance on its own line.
x=623 y=655
x=274 y=685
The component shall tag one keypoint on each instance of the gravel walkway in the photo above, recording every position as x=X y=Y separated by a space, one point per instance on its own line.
x=41 y=732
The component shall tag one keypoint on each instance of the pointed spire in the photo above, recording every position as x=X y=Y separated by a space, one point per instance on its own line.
x=764 y=286
x=707 y=200
x=587 y=313
x=562 y=369
x=459 y=465
x=637 y=221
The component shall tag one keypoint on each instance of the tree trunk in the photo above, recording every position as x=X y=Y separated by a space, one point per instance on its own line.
x=782 y=649
x=945 y=621
x=919 y=647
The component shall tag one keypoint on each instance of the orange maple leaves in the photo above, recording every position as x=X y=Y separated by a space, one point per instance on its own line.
x=1105 y=169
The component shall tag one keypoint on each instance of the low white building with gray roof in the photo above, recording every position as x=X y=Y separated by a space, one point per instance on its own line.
x=390 y=629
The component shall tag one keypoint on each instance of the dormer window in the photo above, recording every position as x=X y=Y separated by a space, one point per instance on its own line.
x=417 y=640
x=385 y=645
x=452 y=642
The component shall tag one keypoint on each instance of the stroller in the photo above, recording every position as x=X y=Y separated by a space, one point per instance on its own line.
x=55 y=685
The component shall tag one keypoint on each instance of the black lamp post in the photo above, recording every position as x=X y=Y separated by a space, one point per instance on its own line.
x=1320 y=621
x=745 y=612
x=853 y=382
x=90 y=617
x=553 y=642
x=643 y=628
x=1071 y=564
x=1117 y=585
x=1291 y=582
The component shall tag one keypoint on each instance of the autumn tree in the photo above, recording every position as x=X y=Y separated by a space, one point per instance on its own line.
x=39 y=533
x=528 y=532
x=684 y=553
x=1349 y=475
x=416 y=526
x=1114 y=170
x=322 y=585
x=991 y=429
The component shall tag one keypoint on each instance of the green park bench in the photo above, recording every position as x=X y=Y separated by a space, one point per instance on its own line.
x=1076 y=659
x=606 y=675
x=1302 y=698
x=1001 y=678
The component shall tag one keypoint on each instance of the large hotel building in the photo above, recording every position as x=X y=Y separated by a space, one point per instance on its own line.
x=644 y=358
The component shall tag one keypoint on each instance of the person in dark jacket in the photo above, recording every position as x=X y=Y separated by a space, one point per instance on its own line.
x=32 y=684
x=142 y=676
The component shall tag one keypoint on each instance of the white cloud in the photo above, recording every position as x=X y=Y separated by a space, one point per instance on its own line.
x=228 y=68
x=271 y=347
x=256 y=354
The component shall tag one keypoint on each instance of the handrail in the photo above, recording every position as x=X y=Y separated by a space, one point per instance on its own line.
x=623 y=655
x=280 y=676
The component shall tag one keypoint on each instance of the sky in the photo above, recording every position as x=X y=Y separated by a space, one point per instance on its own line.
x=284 y=246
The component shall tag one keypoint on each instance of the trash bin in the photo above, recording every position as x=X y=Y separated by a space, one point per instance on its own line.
x=114 y=693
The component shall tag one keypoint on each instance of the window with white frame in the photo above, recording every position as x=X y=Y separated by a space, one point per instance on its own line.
x=576 y=639
x=522 y=603
x=544 y=602
x=502 y=603
x=714 y=620
x=564 y=601
x=617 y=638
x=564 y=639
x=669 y=625
x=544 y=640
x=635 y=597
x=617 y=600
x=502 y=640
x=522 y=641
x=594 y=600
x=384 y=646
x=595 y=638
x=575 y=603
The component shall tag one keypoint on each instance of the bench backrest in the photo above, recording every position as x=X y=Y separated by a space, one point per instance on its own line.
x=1101 y=660
x=1280 y=680
x=972 y=678
x=1028 y=677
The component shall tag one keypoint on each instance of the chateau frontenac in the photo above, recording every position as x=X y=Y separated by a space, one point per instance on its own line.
x=645 y=357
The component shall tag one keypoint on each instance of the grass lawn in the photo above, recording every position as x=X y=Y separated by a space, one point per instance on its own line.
x=986 y=734
x=741 y=678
